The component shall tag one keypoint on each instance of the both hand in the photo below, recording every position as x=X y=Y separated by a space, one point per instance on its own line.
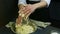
x=27 y=10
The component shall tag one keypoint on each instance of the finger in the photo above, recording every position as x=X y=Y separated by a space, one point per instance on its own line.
x=27 y=9
x=28 y=15
x=30 y=12
x=24 y=9
x=19 y=20
x=21 y=10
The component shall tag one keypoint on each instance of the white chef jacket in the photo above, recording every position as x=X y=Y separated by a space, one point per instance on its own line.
x=24 y=1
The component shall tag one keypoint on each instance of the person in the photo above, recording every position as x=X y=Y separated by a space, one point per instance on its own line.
x=51 y=14
x=35 y=9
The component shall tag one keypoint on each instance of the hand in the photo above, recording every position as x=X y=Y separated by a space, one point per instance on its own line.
x=27 y=10
x=19 y=20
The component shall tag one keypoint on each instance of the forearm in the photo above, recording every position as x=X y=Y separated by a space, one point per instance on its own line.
x=21 y=3
x=43 y=3
x=20 y=6
x=40 y=4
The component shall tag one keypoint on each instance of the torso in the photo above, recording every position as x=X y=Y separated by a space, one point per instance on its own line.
x=39 y=13
x=55 y=9
x=32 y=1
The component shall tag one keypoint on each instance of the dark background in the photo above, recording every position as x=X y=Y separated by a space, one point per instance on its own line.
x=9 y=11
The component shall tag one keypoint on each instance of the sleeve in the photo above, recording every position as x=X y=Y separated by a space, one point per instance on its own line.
x=47 y=1
x=22 y=2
